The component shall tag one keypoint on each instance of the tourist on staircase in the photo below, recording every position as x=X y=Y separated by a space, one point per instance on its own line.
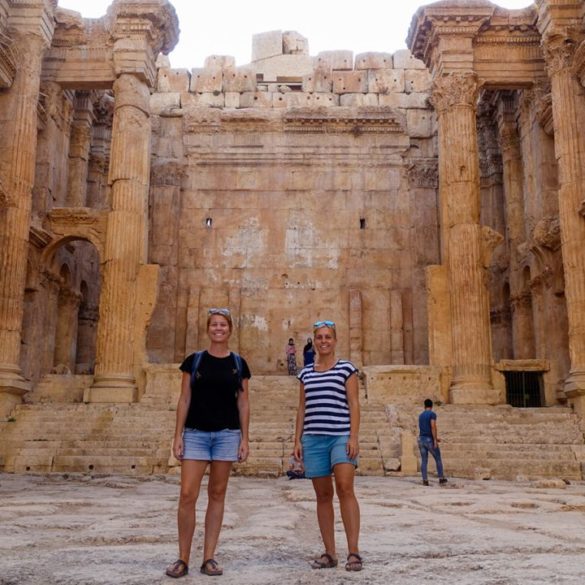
x=428 y=442
x=326 y=439
x=308 y=353
x=291 y=357
x=213 y=416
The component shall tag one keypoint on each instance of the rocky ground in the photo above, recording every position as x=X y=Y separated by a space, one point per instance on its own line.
x=82 y=530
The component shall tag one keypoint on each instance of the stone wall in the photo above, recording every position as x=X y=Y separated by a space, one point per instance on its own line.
x=281 y=191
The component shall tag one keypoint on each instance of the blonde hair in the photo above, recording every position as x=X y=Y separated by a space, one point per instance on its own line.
x=227 y=317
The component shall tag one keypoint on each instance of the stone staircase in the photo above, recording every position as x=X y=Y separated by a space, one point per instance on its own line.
x=477 y=441
x=502 y=442
x=136 y=438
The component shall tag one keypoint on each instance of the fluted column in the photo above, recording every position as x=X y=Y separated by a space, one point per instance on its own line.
x=126 y=238
x=522 y=319
x=455 y=97
x=18 y=142
x=79 y=145
x=569 y=121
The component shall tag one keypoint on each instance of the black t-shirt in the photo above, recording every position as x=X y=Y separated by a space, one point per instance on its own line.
x=214 y=393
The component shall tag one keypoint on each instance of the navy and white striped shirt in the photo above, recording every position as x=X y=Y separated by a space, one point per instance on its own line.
x=326 y=407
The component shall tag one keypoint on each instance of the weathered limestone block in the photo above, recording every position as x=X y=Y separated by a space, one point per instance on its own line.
x=267 y=44
x=419 y=123
x=373 y=61
x=418 y=101
x=212 y=100
x=404 y=59
x=206 y=80
x=239 y=79
x=219 y=62
x=256 y=99
x=320 y=80
x=385 y=81
x=402 y=383
x=324 y=99
x=172 y=80
x=232 y=99
x=417 y=80
x=358 y=99
x=350 y=82
x=284 y=68
x=335 y=60
x=164 y=102
x=294 y=43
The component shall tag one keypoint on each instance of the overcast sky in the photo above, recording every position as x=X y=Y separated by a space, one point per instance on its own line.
x=226 y=27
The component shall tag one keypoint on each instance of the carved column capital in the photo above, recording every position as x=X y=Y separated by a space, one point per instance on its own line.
x=559 y=52
x=454 y=89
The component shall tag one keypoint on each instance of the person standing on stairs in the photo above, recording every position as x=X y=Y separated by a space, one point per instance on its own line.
x=428 y=442
x=213 y=415
x=326 y=439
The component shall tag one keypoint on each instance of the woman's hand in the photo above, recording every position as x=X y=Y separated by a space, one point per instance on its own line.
x=353 y=447
x=298 y=451
x=178 y=448
x=244 y=450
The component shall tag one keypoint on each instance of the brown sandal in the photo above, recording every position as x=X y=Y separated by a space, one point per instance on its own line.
x=325 y=561
x=211 y=567
x=178 y=569
x=352 y=565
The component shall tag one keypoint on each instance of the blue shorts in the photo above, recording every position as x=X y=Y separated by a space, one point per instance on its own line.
x=211 y=446
x=322 y=452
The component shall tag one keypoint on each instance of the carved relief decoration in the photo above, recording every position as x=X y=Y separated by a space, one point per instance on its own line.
x=424 y=173
x=547 y=233
x=559 y=52
x=454 y=89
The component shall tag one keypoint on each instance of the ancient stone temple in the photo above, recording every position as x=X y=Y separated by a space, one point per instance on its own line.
x=430 y=201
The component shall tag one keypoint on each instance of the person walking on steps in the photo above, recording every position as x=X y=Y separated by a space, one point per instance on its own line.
x=213 y=415
x=326 y=439
x=428 y=442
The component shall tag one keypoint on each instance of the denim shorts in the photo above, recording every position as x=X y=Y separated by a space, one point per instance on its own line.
x=322 y=452
x=211 y=446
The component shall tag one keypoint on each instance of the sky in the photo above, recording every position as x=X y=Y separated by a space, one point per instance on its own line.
x=226 y=27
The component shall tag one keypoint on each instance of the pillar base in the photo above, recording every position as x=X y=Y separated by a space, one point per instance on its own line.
x=116 y=388
x=12 y=388
x=473 y=394
x=575 y=390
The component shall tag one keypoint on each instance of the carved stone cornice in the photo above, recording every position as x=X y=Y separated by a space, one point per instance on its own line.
x=423 y=173
x=156 y=20
x=454 y=90
x=439 y=19
x=39 y=238
x=342 y=120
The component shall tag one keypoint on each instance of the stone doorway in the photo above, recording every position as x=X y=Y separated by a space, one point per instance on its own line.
x=524 y=389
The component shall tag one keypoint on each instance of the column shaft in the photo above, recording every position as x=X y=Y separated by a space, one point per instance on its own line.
x=18 y=152
x=455 y=98
x=570 y=150
x=126 y=238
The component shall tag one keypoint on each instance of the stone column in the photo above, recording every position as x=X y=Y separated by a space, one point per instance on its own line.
x=79 y=145
x=569 y=121
x=356 y=344
x=126 y=242
x=522 y=320
x=455 y=97
x=66 y=330
x=18 y=132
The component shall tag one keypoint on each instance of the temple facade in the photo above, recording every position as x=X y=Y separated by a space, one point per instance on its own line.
x=430 y=201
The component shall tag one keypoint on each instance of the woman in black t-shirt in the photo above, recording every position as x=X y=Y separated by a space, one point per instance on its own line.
x=213 y=416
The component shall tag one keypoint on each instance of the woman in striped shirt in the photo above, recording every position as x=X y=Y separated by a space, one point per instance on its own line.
x=326 y=439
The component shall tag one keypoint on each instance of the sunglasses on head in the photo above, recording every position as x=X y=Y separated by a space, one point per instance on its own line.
x=221 y=311
x=318 y=324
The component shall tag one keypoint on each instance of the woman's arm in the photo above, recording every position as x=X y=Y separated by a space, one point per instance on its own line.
x=353 y=401
x=298 y=449
x=244 y=415
x=182 y=410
